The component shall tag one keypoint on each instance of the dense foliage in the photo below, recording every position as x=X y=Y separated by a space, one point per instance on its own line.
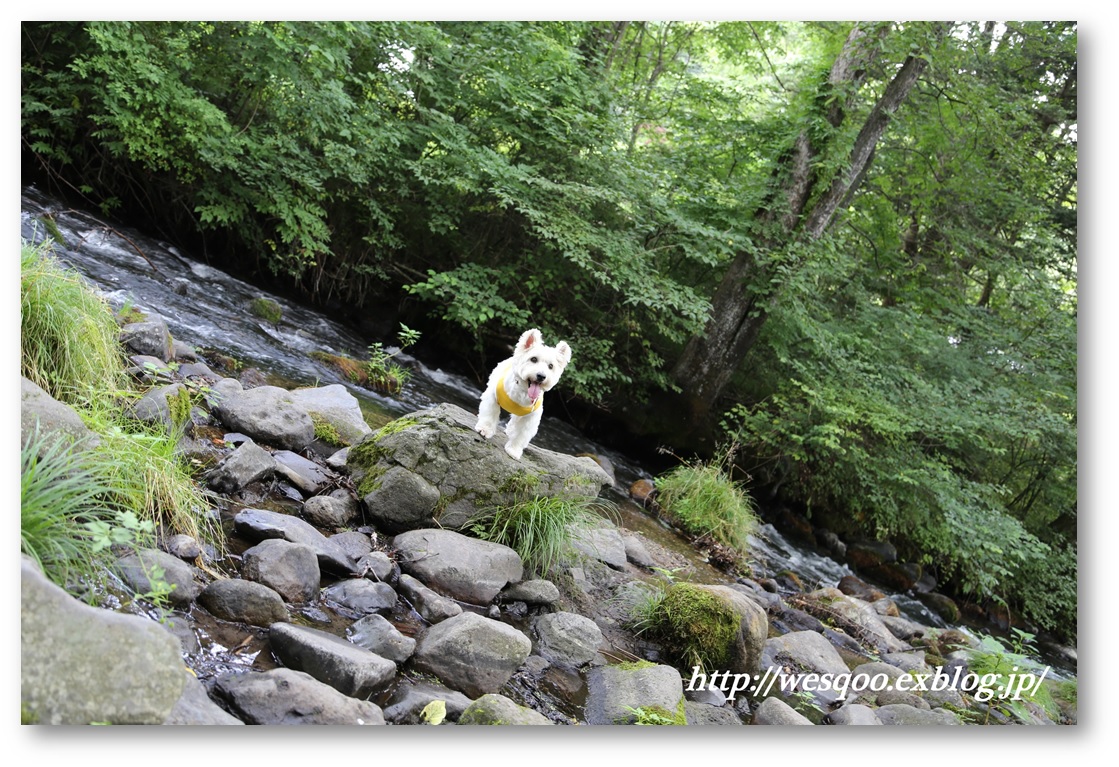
x=851 y=247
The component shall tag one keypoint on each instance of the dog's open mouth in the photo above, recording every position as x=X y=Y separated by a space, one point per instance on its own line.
x=534 y=391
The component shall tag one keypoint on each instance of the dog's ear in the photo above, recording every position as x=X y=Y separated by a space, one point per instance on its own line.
x=564 y=352
x=529 y=339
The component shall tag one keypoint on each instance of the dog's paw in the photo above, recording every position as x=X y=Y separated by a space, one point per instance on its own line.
x=514 y=452
x=485 y=432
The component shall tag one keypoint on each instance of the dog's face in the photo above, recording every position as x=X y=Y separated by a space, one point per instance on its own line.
x=536 y=366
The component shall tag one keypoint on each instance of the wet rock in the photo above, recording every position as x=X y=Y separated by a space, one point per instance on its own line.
x=56 y=420
x=886 y=607
x=399 y=499
x=854 y=714
x=777 y=711
x=305 y=474
x=376 y=565
x=285 y=696
x=330 y=512
x=858 y=612
x=150 y=337
x=410 y=696
x=290 y=569
x=942 y=604
x=604 y=544
x=260 y=524
x=636 y=552
x=867 y=554
x=854 y=587
x=642 y=490
x=183 y=547
x=155 y=406
x=376 y=634
x=871 y=678
x=899 y=713
x=614 y=691
x=350 y=669
x=472 y=653
x=199 y=371
x=536 y=592
x=195 y=706
x=908 y=661
x=354 y=543
x=140 y=568
x=80 y=664
x=432 y=607
x=804 y=651
x=899 y=576
x=225 y=388
x=268 y=415
x=337 y=460
x=359 y=597
x=567 y=638
x=703 y=693
x=336 y=406
x=467 y=569
x=471 y=475
x=903 y=628
x=889 y=697
x=247 y=464
x=497 y=709
x=701 y=714
x=233 y=599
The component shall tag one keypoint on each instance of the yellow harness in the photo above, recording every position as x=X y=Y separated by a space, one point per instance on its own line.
x=506 y=402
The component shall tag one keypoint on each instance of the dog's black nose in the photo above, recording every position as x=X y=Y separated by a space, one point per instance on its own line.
x=540 y=378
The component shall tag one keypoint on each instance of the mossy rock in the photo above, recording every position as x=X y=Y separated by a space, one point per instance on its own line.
x=267 y=310
x=696 y=627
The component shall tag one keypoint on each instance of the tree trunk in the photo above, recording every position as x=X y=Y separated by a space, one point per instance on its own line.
x=741 y=303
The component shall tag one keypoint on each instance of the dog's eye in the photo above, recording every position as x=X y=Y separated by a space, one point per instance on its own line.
x=550 y=366
x=533 y=360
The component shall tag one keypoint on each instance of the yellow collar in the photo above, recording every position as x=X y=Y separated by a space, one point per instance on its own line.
x=508 y=405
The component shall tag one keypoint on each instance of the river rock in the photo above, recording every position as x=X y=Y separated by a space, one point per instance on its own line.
x=290 y=569
x=854 y=714
x=432 y=607
x=945 y=606
x=183 y=547
x=567 y=638
x=410 y=696
x=804 y=651
x=903 y=628
x=777 y=711
x=248 y=463
x=267 y=414
x=497 y=709
x=908 y=661
x=472 y=653
x=855 y=587
x=285 y=696
x=860 y=613
x=376 y=565
x=350 y=669
x=886 y=607
x=470 y=475
x=55 y=420
x=603 y=543
x=150 y=337
x=467 y=569
x=376 y=634
x=535 y=592
x=360 y=597
x=899 y=713
x=355 y=543
x=336 y=406
x=753 y=629
x=155 y=405
x=614 y=691
x=140 y=568
x=331 y=512
x=305 y=474
x=234 y=599
x=261 y=524
x=866 y=554
x=703 y=714
x=196 y=707
x=81 y=664
x=636 y=552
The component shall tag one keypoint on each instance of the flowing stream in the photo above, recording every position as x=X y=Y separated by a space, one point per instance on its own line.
x=209 y=308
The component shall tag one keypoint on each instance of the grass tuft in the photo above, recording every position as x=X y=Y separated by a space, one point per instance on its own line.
x=704 y=501
x=540 y=530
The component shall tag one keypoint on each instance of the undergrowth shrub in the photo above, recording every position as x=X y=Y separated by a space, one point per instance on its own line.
x=704 y=501
x=540 y=530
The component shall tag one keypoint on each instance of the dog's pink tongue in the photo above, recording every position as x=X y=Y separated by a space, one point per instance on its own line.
x=534 y=392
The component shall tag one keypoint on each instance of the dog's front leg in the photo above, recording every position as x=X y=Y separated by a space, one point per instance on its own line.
x=519 y=432
x=488 y=414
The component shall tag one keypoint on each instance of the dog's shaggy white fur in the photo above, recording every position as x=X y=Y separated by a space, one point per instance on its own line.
x=518 y=385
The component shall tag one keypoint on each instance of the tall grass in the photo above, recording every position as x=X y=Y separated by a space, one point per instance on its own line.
x=540 y=530
x=59 y=492
x=68 y=337
x=704 y=501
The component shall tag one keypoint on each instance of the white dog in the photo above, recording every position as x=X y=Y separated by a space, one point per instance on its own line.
x=517 y=386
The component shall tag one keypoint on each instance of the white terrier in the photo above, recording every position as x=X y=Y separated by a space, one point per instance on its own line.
x=517 y=386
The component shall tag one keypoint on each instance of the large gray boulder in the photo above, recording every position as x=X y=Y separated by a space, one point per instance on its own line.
x=350 y=669
x=285 y=696
x=147 y=569
x=234 y=599
x=80 y=664
x=870 y=627
x=268 y=414
x=613 y=692
x=248 y=463
x=497 y=709
x=567 y=638
x=472 y=653
x=360 y=597
x=776 y=711
x=334 y=405
x=410 y=697
x=290 y=569
x=150 y=337
x=805 y=651
x=431 y=467
x=467 y=569
x=54 y=420
x=376 y=634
